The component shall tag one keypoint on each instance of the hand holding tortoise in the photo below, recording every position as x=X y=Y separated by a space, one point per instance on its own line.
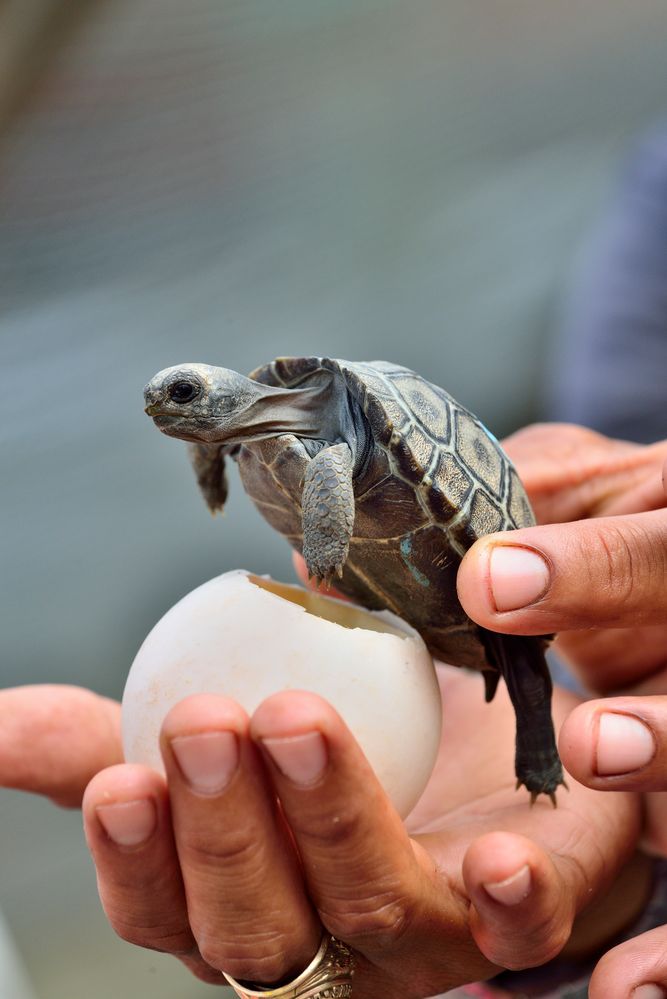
x=600 y=581
x=450 y=840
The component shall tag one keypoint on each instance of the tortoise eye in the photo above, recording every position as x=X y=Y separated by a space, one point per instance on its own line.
x=183 y=392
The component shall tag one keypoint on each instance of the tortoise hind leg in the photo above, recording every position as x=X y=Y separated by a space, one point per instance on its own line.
x=521 y=661
x=328 y=511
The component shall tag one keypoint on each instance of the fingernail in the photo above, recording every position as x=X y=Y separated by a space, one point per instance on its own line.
x=624 y=744
x=300 y=758
x=207 y=760
x=519 y=577
x=513 y=889
x=128 y=823
x=650 y=991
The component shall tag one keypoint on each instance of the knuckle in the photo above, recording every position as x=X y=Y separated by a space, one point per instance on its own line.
x=615 y=969
x=541 y=940
x=614 y=562
x=378 y=920
x=255 y=957
x=231 y=851
x=628 y=561
x=326 y=829
x=166 y=938
x=198 y=967
x=539 y=946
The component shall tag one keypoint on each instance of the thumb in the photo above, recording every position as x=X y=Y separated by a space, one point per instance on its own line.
x=54 y=739
x=605 y=572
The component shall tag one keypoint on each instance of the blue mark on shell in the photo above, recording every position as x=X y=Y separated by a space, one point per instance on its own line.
x=489 y=434
x=406 y=552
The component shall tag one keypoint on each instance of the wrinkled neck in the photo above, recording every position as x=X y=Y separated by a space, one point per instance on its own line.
x=313 y=411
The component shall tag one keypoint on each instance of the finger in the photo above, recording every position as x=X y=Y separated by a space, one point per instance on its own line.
x=649 y=492
x=246 y=901
x=618 y=660
x=654 y=833
x=128 y=829
x=371 y=884
x=607 y=572
x=617 y=744
x=53 y=739
x=636 y=968
x=523 y=908
x=525 y=900
x=571 y=472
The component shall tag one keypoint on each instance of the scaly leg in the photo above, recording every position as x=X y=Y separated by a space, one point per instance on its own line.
x=328 y=512
x=208 y=462
x=521 y=661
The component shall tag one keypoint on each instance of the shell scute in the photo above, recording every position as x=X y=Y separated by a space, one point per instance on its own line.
x=407 y=461
x=398 y=415
x=519 y=508
x=421 y=446
x=382 y=427
x=280 y=507
x=287 y=464
x=387 y=509
x=430 y=576
x=485 y=517
x=451 y=487
x=372 y=384
x=479 y=453
x=426 y=406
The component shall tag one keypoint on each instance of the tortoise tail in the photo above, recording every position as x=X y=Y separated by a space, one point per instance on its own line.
x=521 y=661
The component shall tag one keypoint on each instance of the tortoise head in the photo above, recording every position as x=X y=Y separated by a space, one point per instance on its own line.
x=199 y=402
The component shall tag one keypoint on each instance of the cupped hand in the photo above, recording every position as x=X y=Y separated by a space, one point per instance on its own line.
x=207 y=865
x=594 y=571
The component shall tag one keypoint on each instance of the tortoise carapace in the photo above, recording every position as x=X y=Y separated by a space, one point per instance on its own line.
x=382 y=481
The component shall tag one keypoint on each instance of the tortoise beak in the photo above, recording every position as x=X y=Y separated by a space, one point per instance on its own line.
x=151 y=400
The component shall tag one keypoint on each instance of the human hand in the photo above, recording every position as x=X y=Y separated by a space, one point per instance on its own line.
x=605 y=579
x=621 y=743
x=53 y=739
x=208 y=867
x=597 y=580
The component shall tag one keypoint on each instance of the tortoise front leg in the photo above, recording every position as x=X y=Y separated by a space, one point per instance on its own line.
x=521 y=661
x=208 y=462
x=328 y=512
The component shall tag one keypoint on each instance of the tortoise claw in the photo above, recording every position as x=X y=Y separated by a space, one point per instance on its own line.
x=325 y=580
x=535 y=791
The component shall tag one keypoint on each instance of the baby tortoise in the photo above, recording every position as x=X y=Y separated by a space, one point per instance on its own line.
x=382 y=481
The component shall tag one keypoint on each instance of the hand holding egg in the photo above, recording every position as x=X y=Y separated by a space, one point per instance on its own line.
x=248 y=637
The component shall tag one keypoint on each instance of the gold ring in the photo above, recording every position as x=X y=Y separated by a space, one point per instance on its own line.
x=328 y=976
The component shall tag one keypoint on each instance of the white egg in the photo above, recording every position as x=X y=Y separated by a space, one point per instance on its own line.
x=248 y=637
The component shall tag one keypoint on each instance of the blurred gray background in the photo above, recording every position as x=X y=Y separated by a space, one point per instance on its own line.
x=227 y=181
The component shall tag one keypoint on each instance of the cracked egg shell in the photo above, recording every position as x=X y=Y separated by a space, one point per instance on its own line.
x=247 y=637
